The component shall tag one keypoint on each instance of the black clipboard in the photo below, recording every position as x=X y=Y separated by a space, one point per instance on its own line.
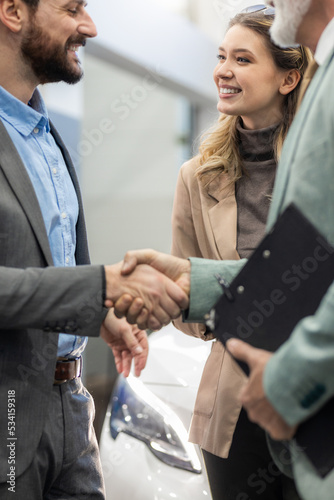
x=283 y=281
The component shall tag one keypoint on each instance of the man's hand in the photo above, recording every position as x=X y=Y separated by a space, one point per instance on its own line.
x=162 y=298
x=176 y=269
x=253 y=397
x=127 y=343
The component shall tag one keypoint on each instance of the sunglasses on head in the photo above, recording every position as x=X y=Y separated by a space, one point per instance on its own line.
x=265 y=9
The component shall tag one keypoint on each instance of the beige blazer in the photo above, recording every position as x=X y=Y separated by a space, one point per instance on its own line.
x=204 y=224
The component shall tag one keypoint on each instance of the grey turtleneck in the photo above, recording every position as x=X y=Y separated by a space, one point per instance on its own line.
x=254 y=190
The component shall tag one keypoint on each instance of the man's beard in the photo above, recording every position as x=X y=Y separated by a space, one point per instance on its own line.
x=288 y=16
x=48 y=60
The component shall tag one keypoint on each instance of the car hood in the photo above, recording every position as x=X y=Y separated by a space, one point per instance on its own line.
x=175 y=359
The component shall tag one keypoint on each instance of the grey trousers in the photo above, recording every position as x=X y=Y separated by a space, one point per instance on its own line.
x=67 y=463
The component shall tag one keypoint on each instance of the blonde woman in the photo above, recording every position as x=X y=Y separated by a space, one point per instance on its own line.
x=220 y=210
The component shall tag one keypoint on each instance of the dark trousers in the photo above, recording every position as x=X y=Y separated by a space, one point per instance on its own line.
x=249 y=472
x=66 y=464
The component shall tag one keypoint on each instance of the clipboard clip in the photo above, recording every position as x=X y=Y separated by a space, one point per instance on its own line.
x=212 y=318
x=225 y=286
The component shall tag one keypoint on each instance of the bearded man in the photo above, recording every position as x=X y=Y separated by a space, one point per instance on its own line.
x=49 y=300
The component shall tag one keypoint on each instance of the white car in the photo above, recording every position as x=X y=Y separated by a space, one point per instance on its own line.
x=144 y=444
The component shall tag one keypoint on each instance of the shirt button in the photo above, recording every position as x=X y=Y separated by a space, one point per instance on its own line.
x=54 y=170
x=67 y=260
x=36 y=130
x=64 y=215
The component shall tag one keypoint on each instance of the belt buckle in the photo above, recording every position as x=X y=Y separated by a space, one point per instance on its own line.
x=77 y=370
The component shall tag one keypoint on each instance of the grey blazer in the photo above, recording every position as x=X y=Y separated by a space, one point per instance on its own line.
x=37 y=301
x=299 y=378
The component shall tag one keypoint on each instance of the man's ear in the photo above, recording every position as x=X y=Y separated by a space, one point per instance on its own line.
x=12 y=13
x=290 y=82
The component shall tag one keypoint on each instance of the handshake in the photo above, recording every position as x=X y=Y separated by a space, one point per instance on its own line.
x=148 y=288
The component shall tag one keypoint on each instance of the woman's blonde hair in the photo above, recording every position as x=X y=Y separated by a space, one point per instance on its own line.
x=219 y=150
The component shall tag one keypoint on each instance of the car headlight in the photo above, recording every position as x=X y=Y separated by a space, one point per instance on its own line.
x=139 y=413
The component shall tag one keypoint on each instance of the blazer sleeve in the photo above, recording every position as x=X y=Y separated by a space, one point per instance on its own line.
x=298 y=379
x=184 y=237
x=204 y=287
x=184 y=242
x=69 y=300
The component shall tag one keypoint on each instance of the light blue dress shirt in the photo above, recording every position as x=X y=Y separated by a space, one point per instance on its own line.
x=29 y=129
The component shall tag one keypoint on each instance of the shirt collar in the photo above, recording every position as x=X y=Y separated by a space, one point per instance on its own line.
x=325 y=44
x=24 y=118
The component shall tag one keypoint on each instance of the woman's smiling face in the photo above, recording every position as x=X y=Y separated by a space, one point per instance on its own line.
x=248 y=80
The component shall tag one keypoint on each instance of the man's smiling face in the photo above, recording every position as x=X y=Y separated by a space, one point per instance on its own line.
x=49 y=44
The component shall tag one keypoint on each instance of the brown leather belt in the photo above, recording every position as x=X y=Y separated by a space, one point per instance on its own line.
x=67 y=369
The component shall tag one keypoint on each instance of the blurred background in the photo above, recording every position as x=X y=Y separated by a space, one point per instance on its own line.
x=146 y=97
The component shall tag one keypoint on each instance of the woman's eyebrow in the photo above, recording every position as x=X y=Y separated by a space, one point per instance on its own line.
x=243 y=50
x=236 y=50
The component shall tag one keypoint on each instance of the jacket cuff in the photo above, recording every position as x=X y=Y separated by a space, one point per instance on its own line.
x=205 y=290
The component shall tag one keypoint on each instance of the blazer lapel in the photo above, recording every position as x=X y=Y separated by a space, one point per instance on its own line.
x=223 y=218
x=19 y=181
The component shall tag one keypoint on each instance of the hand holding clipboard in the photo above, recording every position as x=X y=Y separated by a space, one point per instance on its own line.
x=284 y=281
